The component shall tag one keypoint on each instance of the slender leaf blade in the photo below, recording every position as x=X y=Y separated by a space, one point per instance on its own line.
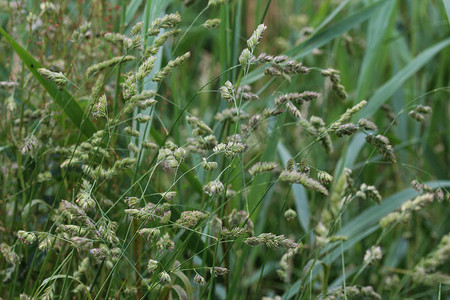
x=299 y=192
x=389 y=88
x=62 y=97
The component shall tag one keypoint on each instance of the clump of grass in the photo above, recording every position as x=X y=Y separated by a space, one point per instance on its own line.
x=173 y=195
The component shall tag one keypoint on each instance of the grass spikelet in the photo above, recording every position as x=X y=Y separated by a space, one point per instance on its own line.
x=262 y=167
x=297 y=177
x=348 y=114
x=256 y=36
x=57 y=77
x=160 y=75
x=271 y=240
x=108 y=63
x=212 y=23
x=167 y=21
x=383 y=146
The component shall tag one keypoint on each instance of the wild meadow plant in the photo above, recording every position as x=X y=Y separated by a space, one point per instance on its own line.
x=119 y=182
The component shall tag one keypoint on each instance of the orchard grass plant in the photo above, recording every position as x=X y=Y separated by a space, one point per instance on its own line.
x=224 y=149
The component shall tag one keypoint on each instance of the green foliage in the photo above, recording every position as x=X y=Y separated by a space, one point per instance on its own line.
x=184 y=149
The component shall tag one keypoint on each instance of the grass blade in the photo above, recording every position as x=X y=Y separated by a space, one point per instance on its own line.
x=389 y=88
x=300 y=196
x=324 y=37
x=447 y=8
x=62 y=97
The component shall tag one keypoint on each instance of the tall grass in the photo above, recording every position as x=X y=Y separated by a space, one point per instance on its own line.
x=224 y=149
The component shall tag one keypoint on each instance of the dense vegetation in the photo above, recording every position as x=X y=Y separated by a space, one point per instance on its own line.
x=224 y=149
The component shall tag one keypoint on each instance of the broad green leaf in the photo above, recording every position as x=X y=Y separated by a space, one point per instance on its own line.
x=261 y=182
x=132 y=9
x=61 y=96
x=348 y=160
x=300 y=196
x=447 y=8
x=378 y=26
x=384 y=92
x=324 y=37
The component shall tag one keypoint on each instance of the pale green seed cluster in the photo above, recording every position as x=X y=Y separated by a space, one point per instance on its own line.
x=280 y=65
x=335 y=79
x=324 y=177
x=212 y=23
x=171 y=156
x=190 y=219
x=369 y=192
x=271 y=240
x=367 y=125
x=209 y=166
x=213 y=188
x=101 y=107
x=229 y=149
x=26 y=237
x=346 y=129
x=303 y=179
x=286 y=262
x=227 y=92
x=353 y=292
x=419 y=113
x=84 y=197
x=256 y=36
x=165 y=22
x=8 y=253
x=347 y=115
x=426 y=272
x=290 y=214
x=150 y=233
x=57 y=77
x=316 y=126
x=233 y=234
x=405 y=211
x=383 y=146
x=108 y=63
x=262 y=167
x=372 y=255
x=161 y=74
